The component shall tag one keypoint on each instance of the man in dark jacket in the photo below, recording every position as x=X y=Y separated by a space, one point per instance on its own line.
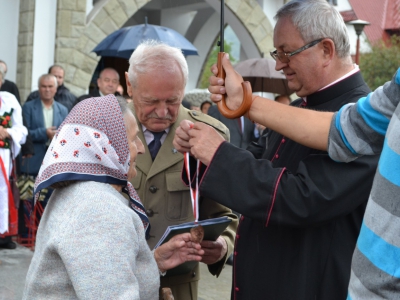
x=43 y=116
x=301 y=211
x=63 y=95
x=107 y=84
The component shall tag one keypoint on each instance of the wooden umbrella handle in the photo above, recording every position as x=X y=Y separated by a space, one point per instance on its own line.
x=247 y=95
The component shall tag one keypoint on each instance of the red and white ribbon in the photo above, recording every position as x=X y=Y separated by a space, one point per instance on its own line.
x=194 y=192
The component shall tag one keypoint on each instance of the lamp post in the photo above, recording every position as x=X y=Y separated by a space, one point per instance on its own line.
x=358 y=26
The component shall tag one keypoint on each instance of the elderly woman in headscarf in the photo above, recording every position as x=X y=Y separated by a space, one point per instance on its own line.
x=91 y=239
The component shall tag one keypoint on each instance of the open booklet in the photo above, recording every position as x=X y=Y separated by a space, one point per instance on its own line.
x=212 y=230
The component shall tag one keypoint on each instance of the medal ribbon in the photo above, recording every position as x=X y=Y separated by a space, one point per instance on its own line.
x=194 y=192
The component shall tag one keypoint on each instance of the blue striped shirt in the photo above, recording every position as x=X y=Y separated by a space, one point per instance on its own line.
x=371 y=126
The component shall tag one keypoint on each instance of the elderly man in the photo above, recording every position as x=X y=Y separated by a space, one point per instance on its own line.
x=42 y=116
x=301 y=211
x=63 y=95
x=12 y=135
x=156 y=83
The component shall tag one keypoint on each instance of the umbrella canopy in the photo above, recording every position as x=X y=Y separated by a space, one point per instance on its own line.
x=263 y=77
x=123 y=42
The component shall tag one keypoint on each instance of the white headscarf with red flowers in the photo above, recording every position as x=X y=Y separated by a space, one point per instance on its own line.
x=91 y=145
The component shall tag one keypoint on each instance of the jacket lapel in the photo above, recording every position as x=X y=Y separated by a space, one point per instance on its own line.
x=167 y=155
x=143 y=161
x=39 y=113
x=56 y=115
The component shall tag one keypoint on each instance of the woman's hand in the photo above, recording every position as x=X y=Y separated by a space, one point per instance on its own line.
x=176 y=251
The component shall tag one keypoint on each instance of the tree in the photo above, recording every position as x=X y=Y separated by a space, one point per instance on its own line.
x=378 y=66
x=212 y=59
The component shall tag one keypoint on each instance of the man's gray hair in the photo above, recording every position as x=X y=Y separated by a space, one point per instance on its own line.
x=317 y=19
x=153 y=55
x=48 y=76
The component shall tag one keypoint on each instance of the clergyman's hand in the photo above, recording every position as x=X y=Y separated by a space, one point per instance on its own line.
x=214 y=251
x=231 y=86
x=204 y=142
x=182 y=137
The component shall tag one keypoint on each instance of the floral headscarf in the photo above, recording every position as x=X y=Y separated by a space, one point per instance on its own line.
x=91 y=145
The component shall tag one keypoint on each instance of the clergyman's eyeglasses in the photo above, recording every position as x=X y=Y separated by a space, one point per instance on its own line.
x=284 y=56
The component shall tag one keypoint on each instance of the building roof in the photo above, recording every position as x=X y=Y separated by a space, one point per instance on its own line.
x=393 y=15
x=384 y=16
x=348 y=15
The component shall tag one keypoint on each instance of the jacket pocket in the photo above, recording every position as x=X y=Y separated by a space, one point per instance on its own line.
x=178 y=197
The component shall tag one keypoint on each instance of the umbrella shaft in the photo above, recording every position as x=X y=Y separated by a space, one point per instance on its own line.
x=222 y=27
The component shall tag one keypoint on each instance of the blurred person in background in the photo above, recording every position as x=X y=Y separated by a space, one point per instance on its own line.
x=63 y=95
x=205 y=106
x=107 y=84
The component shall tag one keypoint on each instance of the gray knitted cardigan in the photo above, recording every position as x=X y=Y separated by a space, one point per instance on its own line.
x=91 y=245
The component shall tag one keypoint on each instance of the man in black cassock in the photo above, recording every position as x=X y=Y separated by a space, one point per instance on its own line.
x=301 y=211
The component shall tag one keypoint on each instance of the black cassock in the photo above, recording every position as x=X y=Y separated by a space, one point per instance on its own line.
x=301 y=211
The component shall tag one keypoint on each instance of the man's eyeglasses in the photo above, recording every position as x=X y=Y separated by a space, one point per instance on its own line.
x=284 y=56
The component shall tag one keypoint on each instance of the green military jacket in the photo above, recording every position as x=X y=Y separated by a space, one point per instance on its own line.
x=167 y=199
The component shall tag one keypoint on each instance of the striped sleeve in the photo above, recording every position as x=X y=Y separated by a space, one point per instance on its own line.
x=376 y=264
x=359 y=129
x=370 y=126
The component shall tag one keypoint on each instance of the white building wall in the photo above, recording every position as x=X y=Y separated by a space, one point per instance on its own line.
x=9 y=12
x=43 y=39
x=177 y=19
x=89 y=6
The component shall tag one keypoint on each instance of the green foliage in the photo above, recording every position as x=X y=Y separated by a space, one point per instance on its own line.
x=212 y=59
x=378 y=66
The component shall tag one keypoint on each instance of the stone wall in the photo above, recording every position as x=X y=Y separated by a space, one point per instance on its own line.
x=76 y=37
x=25 y=47
x=250 y=13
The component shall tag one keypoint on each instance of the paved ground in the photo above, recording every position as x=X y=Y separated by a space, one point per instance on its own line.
x=14 y=265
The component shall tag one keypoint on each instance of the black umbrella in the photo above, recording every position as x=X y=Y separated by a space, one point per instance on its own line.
x=247 y=97
x=263 y=77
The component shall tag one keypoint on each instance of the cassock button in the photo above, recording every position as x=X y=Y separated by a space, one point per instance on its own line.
x=153 y=189
x=235 y=253
x=283 y=141
x=276 y=155
x=149 y=212
x=237 y=236
x=241 y=218
x=236 y=289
